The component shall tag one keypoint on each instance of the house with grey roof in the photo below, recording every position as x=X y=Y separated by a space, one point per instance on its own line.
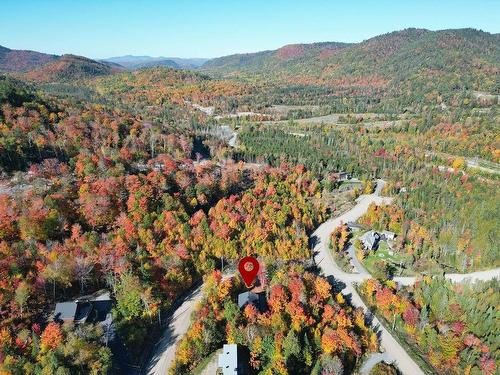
x=370 y=240
x=256 y=299
x=94 y=308
x=247 y=297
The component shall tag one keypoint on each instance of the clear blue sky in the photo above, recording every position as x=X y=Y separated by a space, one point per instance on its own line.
x=205 y=28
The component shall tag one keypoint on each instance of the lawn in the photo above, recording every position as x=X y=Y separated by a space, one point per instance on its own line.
x=383 y=253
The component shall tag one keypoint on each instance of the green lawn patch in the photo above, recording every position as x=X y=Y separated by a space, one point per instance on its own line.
x=384 y=254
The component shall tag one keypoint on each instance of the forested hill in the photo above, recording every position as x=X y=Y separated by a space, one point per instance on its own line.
x=71 y=67
x=165 y=62
x=21 y=60
x=464 y=58
x=287 y=57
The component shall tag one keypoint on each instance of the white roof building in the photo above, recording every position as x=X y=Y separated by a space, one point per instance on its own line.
x=370 y=239
x=388 y=235
x=228 y=359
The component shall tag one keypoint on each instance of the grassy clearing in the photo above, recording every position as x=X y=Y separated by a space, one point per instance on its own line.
x=383 y=253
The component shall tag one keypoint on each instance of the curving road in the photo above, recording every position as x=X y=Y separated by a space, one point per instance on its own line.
x=324 y=260
x=394 y=352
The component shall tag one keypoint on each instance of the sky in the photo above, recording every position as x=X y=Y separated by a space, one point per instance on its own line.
x=206 y=28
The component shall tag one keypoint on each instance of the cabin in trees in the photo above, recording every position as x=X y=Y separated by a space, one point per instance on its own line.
x=387 y=235
x=342 y=176
x=233 y=360
x=95 y=308
x=256 y=299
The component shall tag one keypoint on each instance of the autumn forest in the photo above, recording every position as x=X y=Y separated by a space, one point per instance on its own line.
x=149 y=183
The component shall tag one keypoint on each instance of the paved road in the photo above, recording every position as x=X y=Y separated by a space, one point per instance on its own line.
x=458 y=277
x=177 y=325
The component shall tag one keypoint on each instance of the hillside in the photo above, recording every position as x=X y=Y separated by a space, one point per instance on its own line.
x=13 y=91
x=409 y=59
x=285 y=58
x=71 y=67
x=22 y=60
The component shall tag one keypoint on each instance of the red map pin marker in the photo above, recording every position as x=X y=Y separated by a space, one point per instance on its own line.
x=248 y=267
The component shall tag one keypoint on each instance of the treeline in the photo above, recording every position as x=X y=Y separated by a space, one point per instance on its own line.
x=110 y=200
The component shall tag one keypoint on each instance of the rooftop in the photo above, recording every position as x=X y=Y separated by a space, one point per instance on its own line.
x=228 y=359
x=93 y=308
x=247 y=297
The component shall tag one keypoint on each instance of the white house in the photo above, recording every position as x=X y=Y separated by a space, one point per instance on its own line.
x=228 y=359
x=387 y=235
x=370 y=240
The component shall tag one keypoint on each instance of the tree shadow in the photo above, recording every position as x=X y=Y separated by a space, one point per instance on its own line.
x=313 y=241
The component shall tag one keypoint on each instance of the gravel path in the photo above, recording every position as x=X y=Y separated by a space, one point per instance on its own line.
x=178 y=324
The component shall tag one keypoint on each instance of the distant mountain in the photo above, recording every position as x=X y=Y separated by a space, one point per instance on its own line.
x=22 y=60
x=165 y=62
x=136 y=62
x=70 y=68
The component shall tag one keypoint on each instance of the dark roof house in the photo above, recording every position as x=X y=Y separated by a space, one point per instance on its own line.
x=342 y=176
x=256 y=299
x=247 y=297
x=87 y=309
x=65 y=311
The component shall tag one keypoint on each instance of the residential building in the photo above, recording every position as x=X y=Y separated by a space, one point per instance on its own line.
x=94 y=308
x=388 y=235
x=256 y=299
x=370 y=240
x=228 y=360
